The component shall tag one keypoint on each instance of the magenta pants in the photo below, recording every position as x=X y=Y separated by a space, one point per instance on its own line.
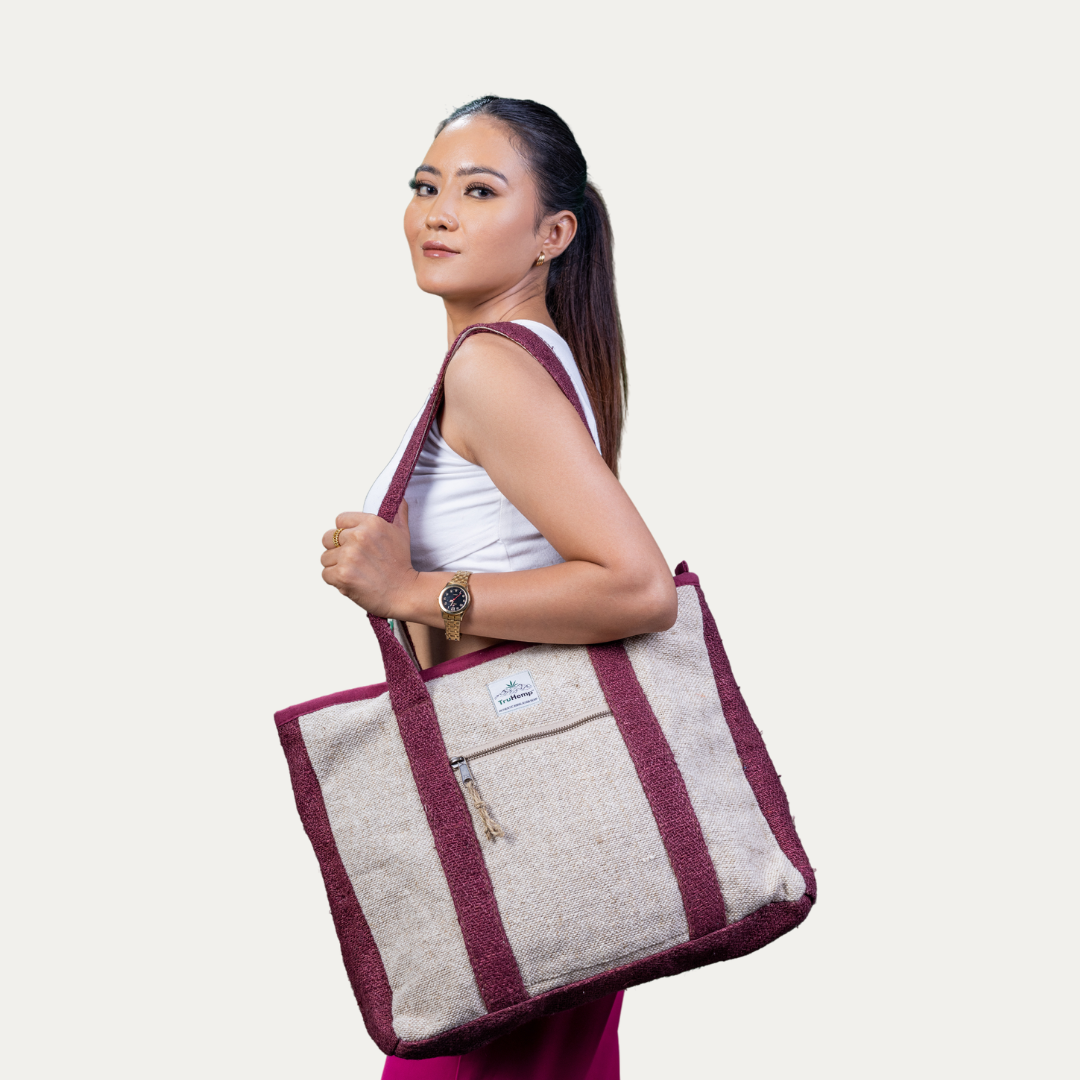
x=579 y=1044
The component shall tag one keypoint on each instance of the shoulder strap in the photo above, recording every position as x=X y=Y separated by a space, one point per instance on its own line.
x=498 y=976
x=532 y=343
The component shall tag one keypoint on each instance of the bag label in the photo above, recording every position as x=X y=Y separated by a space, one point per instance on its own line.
x=516 y=692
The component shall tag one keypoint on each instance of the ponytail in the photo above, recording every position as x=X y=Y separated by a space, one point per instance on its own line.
x=582 y=301
x=581 y=281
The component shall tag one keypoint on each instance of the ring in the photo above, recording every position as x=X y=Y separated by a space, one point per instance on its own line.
x=337 y=538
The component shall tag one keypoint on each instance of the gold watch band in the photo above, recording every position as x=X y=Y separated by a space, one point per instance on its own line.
x=452 y=622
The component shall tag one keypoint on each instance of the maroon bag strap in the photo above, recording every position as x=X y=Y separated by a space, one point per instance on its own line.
x=532 y=343
x=497 y=974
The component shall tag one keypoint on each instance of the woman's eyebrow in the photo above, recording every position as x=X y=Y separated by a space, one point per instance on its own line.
x=465 y=170
x=473 y=170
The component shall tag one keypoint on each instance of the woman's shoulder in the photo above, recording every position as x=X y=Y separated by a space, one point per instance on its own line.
x=483 y=360
x=496 y=372
x=495 y=393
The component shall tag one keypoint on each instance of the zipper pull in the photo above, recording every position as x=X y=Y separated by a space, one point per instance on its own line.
x=491 y=826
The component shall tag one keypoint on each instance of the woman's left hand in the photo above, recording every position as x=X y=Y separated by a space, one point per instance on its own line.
x=373 y=564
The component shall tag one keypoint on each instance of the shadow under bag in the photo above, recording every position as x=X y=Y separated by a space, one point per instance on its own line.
x=530 y=827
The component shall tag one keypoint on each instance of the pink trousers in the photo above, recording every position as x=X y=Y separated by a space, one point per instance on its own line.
x=580 y=1044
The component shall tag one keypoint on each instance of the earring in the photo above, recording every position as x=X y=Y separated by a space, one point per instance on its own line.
x=539 y=260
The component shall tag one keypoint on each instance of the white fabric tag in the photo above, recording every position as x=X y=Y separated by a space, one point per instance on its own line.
x=516 y=692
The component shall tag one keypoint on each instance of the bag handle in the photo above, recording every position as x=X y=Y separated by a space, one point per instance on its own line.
x=531 y=342
x=498 y=976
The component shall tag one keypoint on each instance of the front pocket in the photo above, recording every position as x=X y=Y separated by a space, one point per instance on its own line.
x=460 y=763
x=581 y=876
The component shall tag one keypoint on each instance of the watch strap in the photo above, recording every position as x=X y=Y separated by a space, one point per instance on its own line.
x=452 y=623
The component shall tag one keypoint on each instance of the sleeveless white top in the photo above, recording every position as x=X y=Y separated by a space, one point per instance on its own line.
x=458 y=518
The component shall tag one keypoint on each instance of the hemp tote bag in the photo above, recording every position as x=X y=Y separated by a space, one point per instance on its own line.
x=643 y=829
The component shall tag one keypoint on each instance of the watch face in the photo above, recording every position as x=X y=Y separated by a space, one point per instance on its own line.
x=453 y=599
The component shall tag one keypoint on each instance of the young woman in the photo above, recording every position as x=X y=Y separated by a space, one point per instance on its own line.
x=511 y=487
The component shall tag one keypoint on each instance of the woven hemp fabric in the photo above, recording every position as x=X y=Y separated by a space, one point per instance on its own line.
x=390 y=857
x=674 y=671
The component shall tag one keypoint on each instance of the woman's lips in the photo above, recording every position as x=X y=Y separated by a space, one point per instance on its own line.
x=435 y=250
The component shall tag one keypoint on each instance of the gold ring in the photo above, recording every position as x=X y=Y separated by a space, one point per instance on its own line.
x=337 y=538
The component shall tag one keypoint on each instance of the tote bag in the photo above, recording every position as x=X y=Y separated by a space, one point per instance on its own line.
x=644 y=830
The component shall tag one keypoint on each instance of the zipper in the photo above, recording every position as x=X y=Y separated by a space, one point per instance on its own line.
x=541 y=732
x=460 y=763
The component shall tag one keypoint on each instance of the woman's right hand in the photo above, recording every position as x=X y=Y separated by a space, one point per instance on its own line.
x=371 y=562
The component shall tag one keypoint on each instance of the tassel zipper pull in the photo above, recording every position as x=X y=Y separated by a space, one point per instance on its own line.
x=491 y=826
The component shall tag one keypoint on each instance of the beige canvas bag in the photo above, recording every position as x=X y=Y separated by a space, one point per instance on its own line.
x=530 y=827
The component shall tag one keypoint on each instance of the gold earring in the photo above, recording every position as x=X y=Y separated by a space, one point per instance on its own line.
x=539 y=260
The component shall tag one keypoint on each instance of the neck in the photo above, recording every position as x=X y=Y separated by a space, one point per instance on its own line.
x=524 y=301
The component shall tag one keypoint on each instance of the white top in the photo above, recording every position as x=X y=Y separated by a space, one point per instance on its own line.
x=458 y=518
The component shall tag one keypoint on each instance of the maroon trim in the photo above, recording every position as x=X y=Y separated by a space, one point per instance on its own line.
x=358 y=949
x=363 y=693
x=764 y=781
x=532 y=343
x=742 y=937
x=686 y=578
x=664 y=788
x=494 y=965
x=474 y=659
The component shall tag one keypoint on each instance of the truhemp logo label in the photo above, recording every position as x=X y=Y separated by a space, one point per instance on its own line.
x=516 y=692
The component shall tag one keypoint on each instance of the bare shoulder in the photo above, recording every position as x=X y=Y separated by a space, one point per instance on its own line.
x=490 y=362
x=487 y=383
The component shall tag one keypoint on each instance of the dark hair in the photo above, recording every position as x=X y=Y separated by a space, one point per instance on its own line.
x=581 y=281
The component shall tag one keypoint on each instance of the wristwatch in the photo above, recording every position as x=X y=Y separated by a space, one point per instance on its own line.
x=453 y=602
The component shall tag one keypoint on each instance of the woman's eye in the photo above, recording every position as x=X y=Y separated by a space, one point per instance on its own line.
x=421 y=188
x=479 y=192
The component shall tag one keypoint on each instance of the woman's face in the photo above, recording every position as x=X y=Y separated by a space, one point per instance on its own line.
x=471 y=223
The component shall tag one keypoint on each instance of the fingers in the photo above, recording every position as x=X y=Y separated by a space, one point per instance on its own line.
x=370 y=559
x=343 y=522
x=351 y=520
x=334 y=540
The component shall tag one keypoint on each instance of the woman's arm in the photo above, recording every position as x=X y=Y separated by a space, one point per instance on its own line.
x=504 y=412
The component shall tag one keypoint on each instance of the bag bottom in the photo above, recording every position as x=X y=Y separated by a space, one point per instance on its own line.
x=746 y=936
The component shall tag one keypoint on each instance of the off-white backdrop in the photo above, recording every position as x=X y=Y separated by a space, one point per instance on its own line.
x=846 y=246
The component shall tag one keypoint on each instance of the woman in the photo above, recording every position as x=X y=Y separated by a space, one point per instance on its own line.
x=504 y=226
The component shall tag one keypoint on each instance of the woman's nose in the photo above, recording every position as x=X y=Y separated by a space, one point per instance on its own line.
x=440 y=217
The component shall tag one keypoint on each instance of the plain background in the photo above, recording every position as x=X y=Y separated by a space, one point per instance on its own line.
x=847 y=240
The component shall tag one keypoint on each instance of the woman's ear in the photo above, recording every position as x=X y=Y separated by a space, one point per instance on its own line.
x=558 y=231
